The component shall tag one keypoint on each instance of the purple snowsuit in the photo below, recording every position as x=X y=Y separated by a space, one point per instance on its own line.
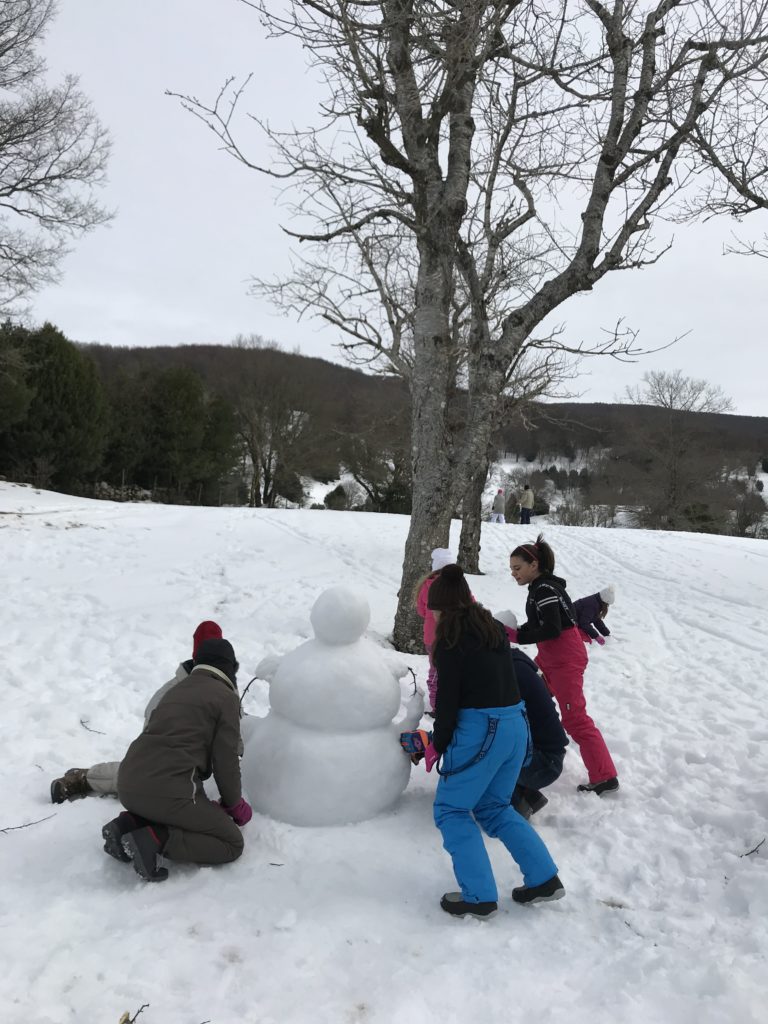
x=588 y=616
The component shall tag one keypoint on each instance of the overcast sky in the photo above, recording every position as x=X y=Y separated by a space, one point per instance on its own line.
x=192 y=226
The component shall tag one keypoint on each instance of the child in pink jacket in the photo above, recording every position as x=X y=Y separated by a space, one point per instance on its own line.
x=440 y=558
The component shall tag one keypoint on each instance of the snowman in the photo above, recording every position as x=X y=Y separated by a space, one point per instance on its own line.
x=328 y=751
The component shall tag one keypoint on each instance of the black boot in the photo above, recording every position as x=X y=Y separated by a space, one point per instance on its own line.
x=144 y=847
x=551 y=890
x=73 y=785
x=455 y=904
x=114 y=831
x=528 y=801
x=607 y=786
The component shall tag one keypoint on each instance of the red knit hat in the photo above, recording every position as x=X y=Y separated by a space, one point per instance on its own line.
x=205 y=631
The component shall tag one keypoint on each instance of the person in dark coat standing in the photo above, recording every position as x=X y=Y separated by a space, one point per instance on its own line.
x=193 y=733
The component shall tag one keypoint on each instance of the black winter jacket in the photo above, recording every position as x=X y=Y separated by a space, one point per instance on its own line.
x=471 y=676
x=549 y=610
x=547 y=732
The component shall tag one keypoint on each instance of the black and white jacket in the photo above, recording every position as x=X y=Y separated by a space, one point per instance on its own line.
x=549 y=610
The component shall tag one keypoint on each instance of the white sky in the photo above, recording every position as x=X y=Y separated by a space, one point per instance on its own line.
x=193 y=226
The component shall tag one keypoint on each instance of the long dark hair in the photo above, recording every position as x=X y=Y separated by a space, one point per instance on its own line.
x=539 y=552
x=459 y=612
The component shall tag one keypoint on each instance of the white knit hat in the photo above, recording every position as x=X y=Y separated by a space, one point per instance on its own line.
x=507 y=618
x=442 y=557
x=608 y=594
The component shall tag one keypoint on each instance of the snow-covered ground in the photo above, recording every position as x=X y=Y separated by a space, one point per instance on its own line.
x=666 y=913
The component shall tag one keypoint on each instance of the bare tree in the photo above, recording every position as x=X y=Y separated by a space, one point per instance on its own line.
x=536 y=144
x=681 y=474
x=53 y=153
x=673 y=391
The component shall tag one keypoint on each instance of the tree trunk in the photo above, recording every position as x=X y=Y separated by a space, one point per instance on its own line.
x=432 y=506
x=471 y=518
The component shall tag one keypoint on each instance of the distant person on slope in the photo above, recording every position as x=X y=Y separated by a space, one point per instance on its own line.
x=526 y=505
x=101 y=779
x=562 y=656
x=482 y=735
x=193 y=733
x=497 y=510
x=590 y=615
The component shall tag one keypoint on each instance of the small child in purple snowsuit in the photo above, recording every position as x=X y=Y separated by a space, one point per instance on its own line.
x=590 y=613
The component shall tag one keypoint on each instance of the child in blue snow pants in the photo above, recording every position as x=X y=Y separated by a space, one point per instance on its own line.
x=478 y=773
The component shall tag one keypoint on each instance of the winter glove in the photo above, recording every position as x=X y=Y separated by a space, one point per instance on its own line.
x=241 y=813
x=415 y=742
x=585 y=637
x=511 y=634
x=600 y=640
x=431 y=757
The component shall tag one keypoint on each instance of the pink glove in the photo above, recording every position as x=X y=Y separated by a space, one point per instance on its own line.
x=511 y=633
x=585 y=637
x=241 y=813
x=600 y=640
x=431 y=757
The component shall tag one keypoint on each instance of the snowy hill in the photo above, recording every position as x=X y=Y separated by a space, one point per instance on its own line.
x=665 y=917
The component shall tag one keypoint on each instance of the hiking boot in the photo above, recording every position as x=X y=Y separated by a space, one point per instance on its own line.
x=454 y=903
x=551 y=890
x=114 y=831
x=528 y=801
x=607 y=786
x=73 y=785
x=144 y=846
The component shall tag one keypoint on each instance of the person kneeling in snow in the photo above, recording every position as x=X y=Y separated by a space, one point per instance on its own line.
x=193 y=732
x=590 y=613
x=482 y=735
x=101 y=779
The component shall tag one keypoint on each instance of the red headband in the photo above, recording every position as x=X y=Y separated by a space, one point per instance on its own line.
x=532 y=548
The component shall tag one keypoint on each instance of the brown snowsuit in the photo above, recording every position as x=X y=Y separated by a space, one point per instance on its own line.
x=192 y=733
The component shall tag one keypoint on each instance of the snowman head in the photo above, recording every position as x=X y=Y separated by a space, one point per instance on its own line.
x=340 y=616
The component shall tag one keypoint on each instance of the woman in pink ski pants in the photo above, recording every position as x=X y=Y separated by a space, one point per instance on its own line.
x=562 y=656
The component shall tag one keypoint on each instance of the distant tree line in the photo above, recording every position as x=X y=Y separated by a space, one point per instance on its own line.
x=240 y=424
x=251 y=424
x=669 y=460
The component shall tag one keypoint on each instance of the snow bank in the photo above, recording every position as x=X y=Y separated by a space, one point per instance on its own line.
x=666 y=914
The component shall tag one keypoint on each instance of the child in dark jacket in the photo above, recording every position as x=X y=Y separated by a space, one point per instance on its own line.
x=590 y=615
x=482 y=735
x=562 y=657
x=548 y=738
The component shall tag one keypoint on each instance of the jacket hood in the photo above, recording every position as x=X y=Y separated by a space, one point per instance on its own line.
x=549 y=577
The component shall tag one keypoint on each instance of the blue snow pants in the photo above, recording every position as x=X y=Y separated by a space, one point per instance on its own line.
x=475 y=791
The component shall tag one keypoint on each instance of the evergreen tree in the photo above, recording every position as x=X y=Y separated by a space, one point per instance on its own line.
x=61 y=438
x=15 y=392
x=175 y=429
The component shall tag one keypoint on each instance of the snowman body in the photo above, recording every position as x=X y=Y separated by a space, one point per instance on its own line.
x=328 y=752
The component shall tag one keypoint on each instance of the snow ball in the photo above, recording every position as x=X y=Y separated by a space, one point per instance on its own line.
x=340 y=616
